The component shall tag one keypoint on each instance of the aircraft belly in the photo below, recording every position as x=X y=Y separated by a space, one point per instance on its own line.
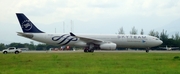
x=130 y=43
x=121 y=42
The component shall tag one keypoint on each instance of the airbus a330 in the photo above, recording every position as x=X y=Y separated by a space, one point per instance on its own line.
x=87 y=41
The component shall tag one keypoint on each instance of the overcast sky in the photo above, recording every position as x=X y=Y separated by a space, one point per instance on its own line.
x=88 y=16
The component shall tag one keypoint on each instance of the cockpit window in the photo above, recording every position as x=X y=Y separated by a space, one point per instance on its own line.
x=157 y=39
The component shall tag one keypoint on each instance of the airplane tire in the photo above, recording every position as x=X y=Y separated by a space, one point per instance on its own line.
x=92 y=51
x=89 y=50
x=85 y=50
x=147 y=51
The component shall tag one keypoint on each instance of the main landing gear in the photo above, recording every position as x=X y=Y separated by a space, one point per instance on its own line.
x=89 y=48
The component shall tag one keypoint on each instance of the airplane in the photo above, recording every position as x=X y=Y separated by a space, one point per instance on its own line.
x=168 y=48
x=87 y=41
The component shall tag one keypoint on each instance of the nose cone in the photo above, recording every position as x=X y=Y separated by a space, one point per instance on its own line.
x=160 y=42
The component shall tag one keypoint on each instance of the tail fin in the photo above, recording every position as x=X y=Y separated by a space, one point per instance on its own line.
x=26 y=25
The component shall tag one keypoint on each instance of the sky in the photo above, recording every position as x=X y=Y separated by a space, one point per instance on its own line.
x=88 y=16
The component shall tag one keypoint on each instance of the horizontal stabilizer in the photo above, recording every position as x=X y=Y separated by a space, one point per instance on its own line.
x=25 y=35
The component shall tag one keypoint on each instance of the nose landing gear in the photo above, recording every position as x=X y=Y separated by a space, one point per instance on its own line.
x=147 y=50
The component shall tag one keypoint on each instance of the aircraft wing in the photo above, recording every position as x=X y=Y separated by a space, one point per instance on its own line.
x=88 y=40
x=28 y=35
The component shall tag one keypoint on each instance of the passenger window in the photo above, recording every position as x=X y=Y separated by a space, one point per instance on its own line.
x=11 y=48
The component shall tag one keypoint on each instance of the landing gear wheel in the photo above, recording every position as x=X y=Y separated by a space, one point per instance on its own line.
x=147 y=50
x=89 y=48
x=85 y=50
x=92 y=50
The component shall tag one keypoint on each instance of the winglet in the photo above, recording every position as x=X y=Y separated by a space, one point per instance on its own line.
x=72 y=34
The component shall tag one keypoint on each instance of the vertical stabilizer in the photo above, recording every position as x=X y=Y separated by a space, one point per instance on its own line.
x=26 y=25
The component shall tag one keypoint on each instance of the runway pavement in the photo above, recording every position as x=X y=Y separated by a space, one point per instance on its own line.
x=103 y=51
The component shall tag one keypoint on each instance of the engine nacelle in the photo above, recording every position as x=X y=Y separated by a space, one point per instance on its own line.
x=108 y=45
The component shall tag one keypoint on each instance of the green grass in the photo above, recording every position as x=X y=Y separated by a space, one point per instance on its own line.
x=90 y=63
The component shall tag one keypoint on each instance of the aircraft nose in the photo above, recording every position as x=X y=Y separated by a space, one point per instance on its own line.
x=160 y=42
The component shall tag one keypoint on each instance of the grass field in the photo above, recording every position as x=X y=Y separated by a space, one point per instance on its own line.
x=90 y=63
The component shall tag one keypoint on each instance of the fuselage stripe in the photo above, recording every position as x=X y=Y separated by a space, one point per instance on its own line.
x=66 y=39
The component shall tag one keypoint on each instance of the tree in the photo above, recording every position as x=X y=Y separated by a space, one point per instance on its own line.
x=41 y=47
x=164 y=37
x=173 y=37
x=121 y=31
x=133 y=31
x=157 y=34
x=152 y=33
x=176 y=39
x=2 y=46
x=17 y=45
x=177 y=36
x=51 y=46
x=142 y=32
x=170 y=42
x=32 y=46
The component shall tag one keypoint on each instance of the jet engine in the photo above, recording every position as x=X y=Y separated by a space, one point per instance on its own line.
x=108 y=45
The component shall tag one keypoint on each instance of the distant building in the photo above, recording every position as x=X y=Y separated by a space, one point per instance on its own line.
x=24 y=49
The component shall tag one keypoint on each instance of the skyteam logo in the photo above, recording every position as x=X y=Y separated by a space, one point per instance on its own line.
x=143 y=41
x=64 y=39
x=26 y=25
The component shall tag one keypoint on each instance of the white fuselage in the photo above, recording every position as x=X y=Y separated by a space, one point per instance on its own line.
x=89 y=42
x=127 y=41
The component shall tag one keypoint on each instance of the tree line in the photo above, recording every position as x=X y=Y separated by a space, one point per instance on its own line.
x=30 y=46
x=173 y=41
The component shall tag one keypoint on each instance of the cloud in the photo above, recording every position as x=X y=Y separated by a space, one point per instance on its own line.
x=93 y=14
x=86 y=10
